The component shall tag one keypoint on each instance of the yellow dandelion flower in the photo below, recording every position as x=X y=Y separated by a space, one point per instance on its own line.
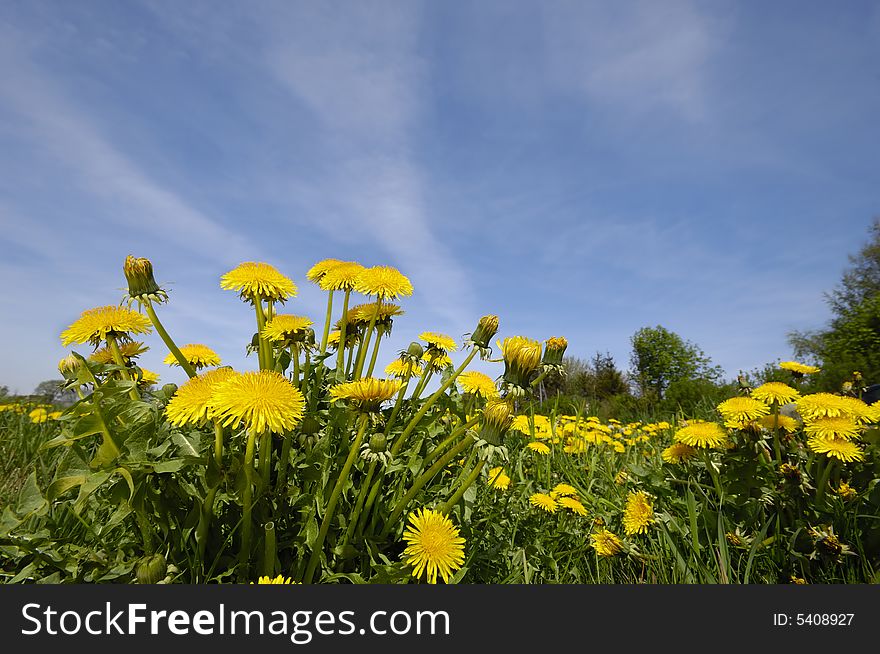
x=800 y=581
x=434 y=545
x=621 y=478
x=129 y=350
x=402 y=369
x=572 y=504
x=824 y=405
x=70 y=364
x=384 y=282
x=740 y=410
x=198 y=355
x=798 y=368
x=845 y=428
x=859 y=411
x=260 y=401
x=316 y=273
x=191 y=403
x=839 y=448
x=148 y=377
x=521 y=424
x=564 y=490
x=846 y=491
x=477 y=383
x=366 y=394
x=775 y=392
x=38 y=415
x=286 y=327
x=638 y=514
x=382 y=312
x=701 y=434
x=280 y=579
x=95 y=325
x=606 y=543
x=785 y=423
x=521 y=356
x=439 y=341
x=436 y=362
x=544 y=502
x=498 y=479
x=341 y=277
x=258 y=281
x=540 y=448
x=678 y=453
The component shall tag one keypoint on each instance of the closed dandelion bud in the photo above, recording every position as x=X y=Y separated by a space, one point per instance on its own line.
x=69 y=365
x=415 y=350
x=497 y=418
x=375 y=450
x=378 y=443
x=486 y=329
x=309 y=426
x=142 y=285
x=522 y=356
x=168 y=390
x=151 y=569
x=554 y=349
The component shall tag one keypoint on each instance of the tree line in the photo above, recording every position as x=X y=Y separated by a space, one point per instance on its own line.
x=668 y=373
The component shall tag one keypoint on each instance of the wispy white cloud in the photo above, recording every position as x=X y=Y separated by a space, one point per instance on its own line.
x=360 y=74
x=633 y=57
x=132 y=200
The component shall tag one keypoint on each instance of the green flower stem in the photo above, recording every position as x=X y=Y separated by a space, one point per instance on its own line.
x=169 y=343
x=537 y=380
x=207 y=513
x=348 y=363
x=446 y=507
x=283 y=465
x=399 y=401
x=823 y=479
x=777 y=448
x=326 y=335
x=146 y=531
x=105 y=431
x=375 y=354
x=712 y=473
x=265 y=462
x=269 y=549
x=334 y=499
x=117 y=357
x=247 y=499
x=307 y=372
x=423 y=479
x=426 y=377
x=218 y=443
x=464 y=468
x=265 y=349
x=362 y=353
x=342 y=329
x=294 y=357
x=359 y=505
x=458 y=431
x=398 y=444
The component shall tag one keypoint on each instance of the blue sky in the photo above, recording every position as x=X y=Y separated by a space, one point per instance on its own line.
x=581 y=169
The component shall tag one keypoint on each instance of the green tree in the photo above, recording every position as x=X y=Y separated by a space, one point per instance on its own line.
x=851 y=340
x=661 y=357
